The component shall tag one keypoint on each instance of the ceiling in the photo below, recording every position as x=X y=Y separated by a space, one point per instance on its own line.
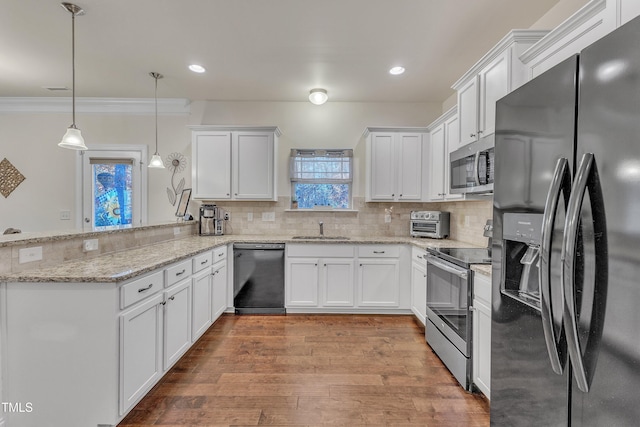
x=253 y=50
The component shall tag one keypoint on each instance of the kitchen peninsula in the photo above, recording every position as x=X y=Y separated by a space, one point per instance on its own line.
x=114 y=324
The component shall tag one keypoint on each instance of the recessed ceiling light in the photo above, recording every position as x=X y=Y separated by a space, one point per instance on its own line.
x=318 y=96
x=396 y=70
x=197 y=68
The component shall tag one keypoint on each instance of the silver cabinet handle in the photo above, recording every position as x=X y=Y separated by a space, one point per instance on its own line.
x=584 y=365
x=163 y=303
x=378 y=252
x=181 y=272
x=219 y=255
x=479 y=132
x=472 y=308
x=172 y=297
x=561 y=183
x=146 y=289
x=204 y=262
x=473 y=135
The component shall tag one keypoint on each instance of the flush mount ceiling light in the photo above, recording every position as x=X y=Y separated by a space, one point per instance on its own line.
x=396 y=70
x=197 y=68
x=156 y=160
x=73 y=138
x=318 y=96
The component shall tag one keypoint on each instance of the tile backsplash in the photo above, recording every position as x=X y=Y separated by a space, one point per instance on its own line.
x=367 y=219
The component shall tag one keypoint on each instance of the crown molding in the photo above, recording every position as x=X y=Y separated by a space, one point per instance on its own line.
x=243 y=128
x=512 y=37
x=166 y=106
x=371 y=129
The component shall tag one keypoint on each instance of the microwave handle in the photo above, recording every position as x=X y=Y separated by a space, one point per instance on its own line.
x=476 y=169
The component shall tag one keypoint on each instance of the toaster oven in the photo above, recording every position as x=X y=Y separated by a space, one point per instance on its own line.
x=433 y=224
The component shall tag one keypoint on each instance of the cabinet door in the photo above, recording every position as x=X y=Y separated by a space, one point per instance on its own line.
x=419 y=291
x=494 y=84
x=302 y=282
x=451 y=144
x=468 y=112
x=379 y=283
x=211 y=169
x=140 y=350
x=253 y=164
x=482 y=347
x=219 y=290
x=201 y=303
x=177 y=322
x=437 y=164
x=409 y=166
x=629 y=9
x=382 y=185
x=482 y=334
x=337 y=282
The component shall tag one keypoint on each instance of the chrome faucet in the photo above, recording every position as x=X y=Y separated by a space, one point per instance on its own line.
x=321 y=224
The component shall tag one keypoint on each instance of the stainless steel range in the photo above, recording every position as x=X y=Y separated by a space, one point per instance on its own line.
x=449 y=324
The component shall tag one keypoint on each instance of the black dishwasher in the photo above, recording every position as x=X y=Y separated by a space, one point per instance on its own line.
x=258 y=278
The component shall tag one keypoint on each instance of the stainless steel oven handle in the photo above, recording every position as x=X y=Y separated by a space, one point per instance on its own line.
x=561 y=181
x=433 y=260
x=476 y=169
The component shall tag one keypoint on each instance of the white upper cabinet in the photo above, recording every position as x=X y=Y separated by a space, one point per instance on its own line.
x=629 y=9
x=394 y=163
x=231 y=163
x=496 y=74
x=443 y=139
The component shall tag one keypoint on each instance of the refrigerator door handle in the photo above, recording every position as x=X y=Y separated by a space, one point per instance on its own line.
x=556 y=345
x=584 y=364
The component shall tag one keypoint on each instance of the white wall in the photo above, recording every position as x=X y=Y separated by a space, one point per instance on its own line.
x=29 y=141
x=558 y=14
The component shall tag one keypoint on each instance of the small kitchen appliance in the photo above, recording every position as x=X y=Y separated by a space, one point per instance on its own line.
x=211 y=220
x=434 y=224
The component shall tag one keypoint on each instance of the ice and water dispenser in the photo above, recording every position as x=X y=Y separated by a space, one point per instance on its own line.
x=522 y=235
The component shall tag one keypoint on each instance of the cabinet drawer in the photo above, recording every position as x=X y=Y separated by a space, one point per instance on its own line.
x=418 y=255
x=141 y=288
x=320 y=251
x=202 y=261
x=378 y=251
x=482 y=288
x=177 y=272
x=219 y=254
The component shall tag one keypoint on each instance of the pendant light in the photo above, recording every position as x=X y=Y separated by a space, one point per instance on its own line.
x=73 y=138
x=156 y=160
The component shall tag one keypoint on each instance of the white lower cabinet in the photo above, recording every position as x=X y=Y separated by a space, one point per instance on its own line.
x=177 y=322
x=482 y=333
x=336 y=282
x=141 y=336
x=219 y=288
x=378 y=283
x=202 y=298
x=302 y=277
x=419 y=284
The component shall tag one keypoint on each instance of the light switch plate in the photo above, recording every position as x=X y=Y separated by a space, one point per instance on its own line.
x=90 y=245
x=65 y=215
x=268 y=216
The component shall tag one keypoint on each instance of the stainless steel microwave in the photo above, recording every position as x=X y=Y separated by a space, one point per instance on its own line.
x=471 y=167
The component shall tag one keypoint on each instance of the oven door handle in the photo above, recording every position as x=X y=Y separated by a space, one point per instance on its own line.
x=463 y=274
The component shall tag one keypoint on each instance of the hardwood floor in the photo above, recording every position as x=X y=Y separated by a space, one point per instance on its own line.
x=310 y=370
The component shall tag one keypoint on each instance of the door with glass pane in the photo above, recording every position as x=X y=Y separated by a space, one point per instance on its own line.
x=111 y=193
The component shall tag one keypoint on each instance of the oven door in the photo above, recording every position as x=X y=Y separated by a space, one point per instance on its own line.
x=448 y=301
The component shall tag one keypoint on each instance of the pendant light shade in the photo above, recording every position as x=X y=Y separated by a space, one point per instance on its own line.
x=156 y=161
x=73 y=138
x=318 y=96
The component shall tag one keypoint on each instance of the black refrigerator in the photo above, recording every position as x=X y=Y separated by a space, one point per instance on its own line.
x=565 y=345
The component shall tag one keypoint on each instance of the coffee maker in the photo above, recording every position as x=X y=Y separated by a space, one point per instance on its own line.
x=211 y=220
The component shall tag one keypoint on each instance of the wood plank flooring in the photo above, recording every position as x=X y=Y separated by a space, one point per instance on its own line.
x=310 y=370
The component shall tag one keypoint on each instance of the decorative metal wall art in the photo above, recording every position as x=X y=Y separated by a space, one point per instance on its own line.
x=10 y=177
x=176 y=162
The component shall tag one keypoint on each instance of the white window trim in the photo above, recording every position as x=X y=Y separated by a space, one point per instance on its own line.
x=144 y=186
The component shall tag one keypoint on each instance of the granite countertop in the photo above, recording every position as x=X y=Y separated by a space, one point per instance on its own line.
x=121 y=266
x=484 y=269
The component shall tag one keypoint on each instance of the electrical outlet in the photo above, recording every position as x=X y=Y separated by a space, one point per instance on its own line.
x=177 y=230
x=227 y=216
x=466 y=221
x=65 y=215
x=30 y=254
x=250 y=216
x=387 y=218
x=268 y=216
x=90 y=245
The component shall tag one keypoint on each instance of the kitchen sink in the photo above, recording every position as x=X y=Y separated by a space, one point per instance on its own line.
x=320 y=238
